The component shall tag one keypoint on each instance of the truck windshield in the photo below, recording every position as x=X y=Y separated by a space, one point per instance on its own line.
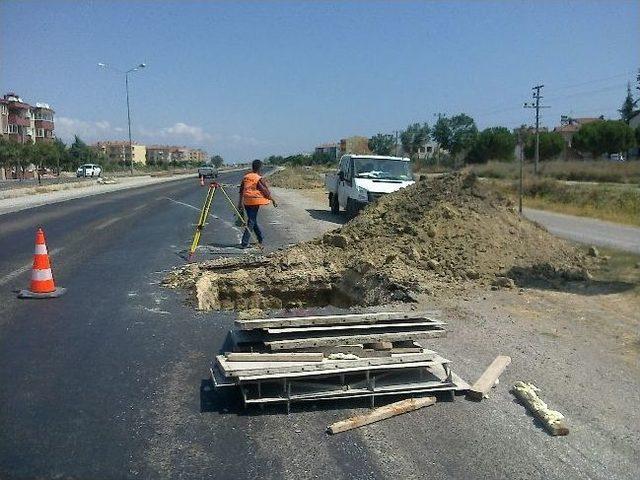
x=382 y=169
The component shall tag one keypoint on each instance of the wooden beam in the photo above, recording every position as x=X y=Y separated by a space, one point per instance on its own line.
x=381 y=413
x=310 y=342
x=246 y=368
x=486 y=381
x=343 y=319
x=274 y=357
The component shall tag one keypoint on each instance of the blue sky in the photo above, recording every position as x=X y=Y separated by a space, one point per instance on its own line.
x=251 y=79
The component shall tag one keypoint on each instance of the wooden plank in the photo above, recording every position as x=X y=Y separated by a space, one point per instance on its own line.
x=486 y=381
x=337 y=371
x=351 y=339
x=343 y=319
x=382 y=413
x=235 y=369
x=423 y=323
x=553 y=421
x=274 y=357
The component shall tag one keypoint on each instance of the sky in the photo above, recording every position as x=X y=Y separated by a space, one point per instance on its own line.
x=249 y=79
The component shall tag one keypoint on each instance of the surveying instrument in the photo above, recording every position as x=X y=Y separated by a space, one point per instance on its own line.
x=204 y=215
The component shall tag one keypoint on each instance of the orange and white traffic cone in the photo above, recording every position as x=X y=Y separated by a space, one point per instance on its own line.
x=42 y=284
x=201 y=181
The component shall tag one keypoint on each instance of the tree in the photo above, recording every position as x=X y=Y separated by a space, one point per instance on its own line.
x=628 y=106
x=382 y=144
x=551 y=145
x=216 y=161
x=607 y=136
x=638 y=134
x=414 y=137
x=496 y=143
x=455 y=134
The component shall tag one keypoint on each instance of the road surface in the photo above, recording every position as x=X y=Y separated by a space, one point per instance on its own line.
x=586 y=230
x=110 y=381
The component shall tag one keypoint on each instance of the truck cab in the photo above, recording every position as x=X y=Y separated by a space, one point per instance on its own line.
x=362 y=179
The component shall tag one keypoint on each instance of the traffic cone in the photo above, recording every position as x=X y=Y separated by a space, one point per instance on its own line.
x=201 y=181
x=42 y=284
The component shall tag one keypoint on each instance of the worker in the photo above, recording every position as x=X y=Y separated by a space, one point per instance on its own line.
x=253 y=193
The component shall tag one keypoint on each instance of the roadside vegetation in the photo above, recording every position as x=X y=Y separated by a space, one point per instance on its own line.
x=300 y=177
x=602 y=171
x=615 y=203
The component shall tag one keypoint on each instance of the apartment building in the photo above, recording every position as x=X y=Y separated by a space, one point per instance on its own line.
x=119 y=151
x=25 y=123
x=171 y=154
x=197 y=155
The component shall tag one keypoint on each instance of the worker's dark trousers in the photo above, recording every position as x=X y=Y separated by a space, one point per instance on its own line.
x=252 y=223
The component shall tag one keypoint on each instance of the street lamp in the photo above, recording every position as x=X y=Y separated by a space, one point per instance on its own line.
x=126 y=82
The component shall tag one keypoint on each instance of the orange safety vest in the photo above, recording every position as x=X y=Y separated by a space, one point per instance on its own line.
x=251 y=195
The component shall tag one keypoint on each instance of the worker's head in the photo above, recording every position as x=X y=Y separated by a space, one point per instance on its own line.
x=256 y=165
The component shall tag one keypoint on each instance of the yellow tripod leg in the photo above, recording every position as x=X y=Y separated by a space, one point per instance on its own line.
x=204 y=214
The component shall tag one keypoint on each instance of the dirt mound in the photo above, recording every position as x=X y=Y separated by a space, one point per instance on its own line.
x=436 y=237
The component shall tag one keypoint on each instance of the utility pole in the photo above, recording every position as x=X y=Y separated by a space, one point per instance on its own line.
x=521 y=158
x=395 y=152
x=537 y=106
x=126 y=84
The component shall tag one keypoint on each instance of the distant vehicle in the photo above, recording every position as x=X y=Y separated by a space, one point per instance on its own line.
x=208 y=171
x=616 y=157
x=362 y=179
x=89 y=170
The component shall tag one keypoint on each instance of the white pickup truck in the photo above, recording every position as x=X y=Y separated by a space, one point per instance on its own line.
x=362 y=179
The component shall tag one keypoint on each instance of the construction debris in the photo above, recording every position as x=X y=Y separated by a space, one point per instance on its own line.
x=553 y=421
x=488 y=379
x=436 y=238
x=343 y=364
x=381 y=413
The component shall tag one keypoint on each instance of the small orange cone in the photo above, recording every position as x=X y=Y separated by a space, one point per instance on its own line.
x=201 y=181
x=42 y=284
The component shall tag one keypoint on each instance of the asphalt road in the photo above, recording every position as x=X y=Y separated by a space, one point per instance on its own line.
x=590 y=231
x=83 y=376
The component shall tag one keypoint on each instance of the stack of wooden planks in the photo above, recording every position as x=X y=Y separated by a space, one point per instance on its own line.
x=325 y=357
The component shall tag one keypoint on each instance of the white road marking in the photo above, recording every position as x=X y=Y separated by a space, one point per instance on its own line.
x=139 y=207
x=107 y=223
x=181 y=203
x=25 y=268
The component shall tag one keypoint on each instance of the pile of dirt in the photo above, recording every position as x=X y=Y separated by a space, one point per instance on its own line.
x=436 y=237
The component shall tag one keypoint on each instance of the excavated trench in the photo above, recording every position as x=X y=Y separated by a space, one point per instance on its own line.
x=253 y=289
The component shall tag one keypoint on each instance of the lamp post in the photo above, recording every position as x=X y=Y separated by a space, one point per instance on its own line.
x=126 y=83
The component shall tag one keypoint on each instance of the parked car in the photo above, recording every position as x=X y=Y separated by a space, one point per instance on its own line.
x=89 y=170
x=207 y=171
x=362 y=179
x=617 y=157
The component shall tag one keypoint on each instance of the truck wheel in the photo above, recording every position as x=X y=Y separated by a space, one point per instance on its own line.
x=333 y=203
x=351 y=208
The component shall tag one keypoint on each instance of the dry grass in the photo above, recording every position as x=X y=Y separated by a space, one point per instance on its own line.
x=615 y=203
x=601 y=171
x=300 y=177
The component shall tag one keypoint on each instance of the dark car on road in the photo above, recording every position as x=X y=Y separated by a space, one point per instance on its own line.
x=208 y=171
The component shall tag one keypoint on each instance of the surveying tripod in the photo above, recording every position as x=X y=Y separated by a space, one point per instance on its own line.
x=204 y=215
